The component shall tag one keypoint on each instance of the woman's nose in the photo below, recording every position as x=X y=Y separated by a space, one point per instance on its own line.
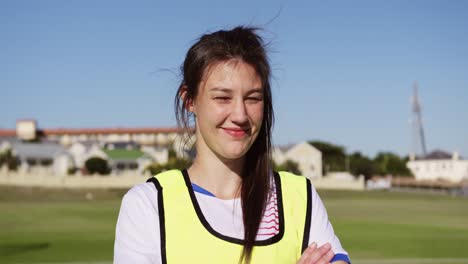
x=239 y=112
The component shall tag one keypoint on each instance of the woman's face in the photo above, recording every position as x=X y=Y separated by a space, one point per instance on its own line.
x=228 y=109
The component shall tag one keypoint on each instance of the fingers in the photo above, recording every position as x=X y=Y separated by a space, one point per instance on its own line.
x=307 y=253
x=322 y=255
x=314 y=255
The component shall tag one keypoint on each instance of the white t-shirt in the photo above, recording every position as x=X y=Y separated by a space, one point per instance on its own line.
x=137 y=238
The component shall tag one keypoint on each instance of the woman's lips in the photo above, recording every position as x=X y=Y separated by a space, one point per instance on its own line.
x=235 y=132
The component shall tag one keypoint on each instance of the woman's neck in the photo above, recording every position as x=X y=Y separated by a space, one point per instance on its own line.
x=220 y=177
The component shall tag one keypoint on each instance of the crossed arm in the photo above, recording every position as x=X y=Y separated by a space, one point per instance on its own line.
x=321 y=255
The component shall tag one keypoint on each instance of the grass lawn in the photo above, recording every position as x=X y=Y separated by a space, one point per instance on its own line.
x=124 y=154
x=47 y=226
x=41 y=226
x=389 y=225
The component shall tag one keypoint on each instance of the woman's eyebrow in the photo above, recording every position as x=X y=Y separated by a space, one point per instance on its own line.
x=227 y=90
x=255 y=90
x=221 y=89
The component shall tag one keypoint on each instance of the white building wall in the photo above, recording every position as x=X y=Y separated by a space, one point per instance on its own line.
x=4 y=146
x=78 y=151
x=161 y=139
x=65 y=140
x=447 y=169
x=62 y=163
x=95 y=151
x=26 y=129
x=160 y=155
x=278 y=156
x=308 y=158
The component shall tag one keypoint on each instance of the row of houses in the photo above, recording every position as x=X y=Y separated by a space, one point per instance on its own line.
x=438 y=165
x=129 y=157
x=65 y=151
x=62 y=151
x=52 y=158
x=127 y=150
x=28 y=130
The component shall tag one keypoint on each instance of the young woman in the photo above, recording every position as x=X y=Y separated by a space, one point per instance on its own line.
x=228 y=206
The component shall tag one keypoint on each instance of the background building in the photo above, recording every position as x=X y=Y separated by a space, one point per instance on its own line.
x=439 y=165
x=64 y=151
x=307 y=157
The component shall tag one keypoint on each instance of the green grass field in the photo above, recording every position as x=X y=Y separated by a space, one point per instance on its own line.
x=62 y=226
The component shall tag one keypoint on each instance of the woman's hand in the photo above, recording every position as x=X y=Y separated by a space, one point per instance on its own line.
x=314 y=255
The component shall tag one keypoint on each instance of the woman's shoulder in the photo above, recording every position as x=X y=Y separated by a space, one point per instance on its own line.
x=146 y=193
x=142 y=189
x=137 y=229
x=141 y=195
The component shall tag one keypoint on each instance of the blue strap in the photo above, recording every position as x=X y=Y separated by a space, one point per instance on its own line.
x=199 y=189
x=342 y=257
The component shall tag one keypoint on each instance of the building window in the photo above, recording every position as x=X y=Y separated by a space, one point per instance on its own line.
x=133 y=166
x=46 y=162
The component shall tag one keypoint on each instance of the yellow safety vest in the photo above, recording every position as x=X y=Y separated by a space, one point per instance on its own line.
x=187 y=237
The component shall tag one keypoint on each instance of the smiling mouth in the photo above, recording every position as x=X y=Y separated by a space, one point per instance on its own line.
x=235 y=132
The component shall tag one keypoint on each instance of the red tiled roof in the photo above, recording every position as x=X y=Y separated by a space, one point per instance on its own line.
x=7 y=132
x=118 y=130
x=88 y=131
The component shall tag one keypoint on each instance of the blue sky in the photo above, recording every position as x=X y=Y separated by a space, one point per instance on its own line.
x=343 y=70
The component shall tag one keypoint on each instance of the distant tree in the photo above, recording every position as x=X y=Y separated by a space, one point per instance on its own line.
x=97 y=165
x=361 y=165
x=178 y=163
x=390 y=163
x=72 y=170
x=156 y=168
x=11 y=161
x=3 y=158
x=289 y=166
x=172 y=163
x=333 y=156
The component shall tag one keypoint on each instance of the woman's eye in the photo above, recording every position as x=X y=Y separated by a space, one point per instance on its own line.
x=254 y=99
x=222 y=99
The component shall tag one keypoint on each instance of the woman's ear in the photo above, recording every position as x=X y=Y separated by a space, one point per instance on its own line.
x=188 y=103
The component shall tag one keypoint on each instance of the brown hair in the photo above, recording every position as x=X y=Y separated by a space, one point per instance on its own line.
x=240 y=43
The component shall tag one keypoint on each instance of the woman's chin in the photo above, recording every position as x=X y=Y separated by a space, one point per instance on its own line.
x=233 y=156
x=234 y=153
